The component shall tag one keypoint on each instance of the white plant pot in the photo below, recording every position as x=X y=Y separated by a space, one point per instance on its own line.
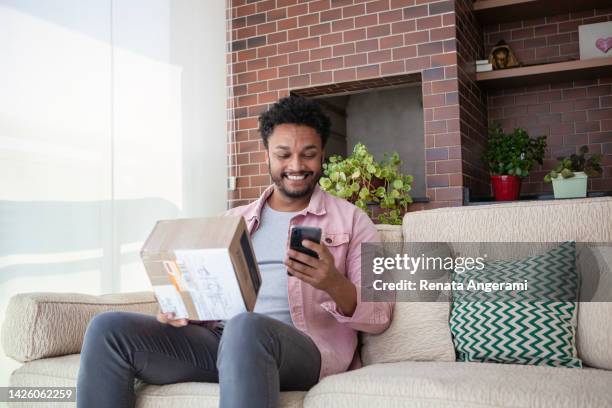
x=572 y=187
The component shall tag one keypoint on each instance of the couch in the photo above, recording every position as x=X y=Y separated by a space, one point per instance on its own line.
x=412 y=364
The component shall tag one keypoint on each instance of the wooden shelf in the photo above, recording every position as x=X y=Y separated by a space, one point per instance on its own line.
x=546 y=73
x=499 y=11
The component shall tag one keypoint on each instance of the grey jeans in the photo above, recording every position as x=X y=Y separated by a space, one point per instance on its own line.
x=253 y=358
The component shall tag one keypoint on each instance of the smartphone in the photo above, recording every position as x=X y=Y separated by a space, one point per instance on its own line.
x=298 y=234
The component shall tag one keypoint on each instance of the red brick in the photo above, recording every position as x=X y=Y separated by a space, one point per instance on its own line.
x=367 y=20
x=377 y=6
x=404 y=52
x=278 y=60
x=344 y=75
x=438 y=180
x=299 y=81
x=332 y=63
x=367 y=72
x=331 y=39
x=297 y=10
x=342 y=25
x=297 y=33
x=266 y=74
x=448 y=166
x=353 y=11
x=309 y=43
x=392 y=41
x=417 y=64
x=330 y=15
x=444 y=59
x=403 y=27
x=366 y=45
x=416 y=11
x=600 y=114
x=344 y=49
x=430 y=48
x=321 y=53
x=444 y=86
x=310 y=67
x=355 y=60
x=416 y=37
x=354 y=35
x=308 y=20
x=288 y=70
x=300 y=56
x=379 y=31
x=425 y=23
x=320 y=29
x=379 y=56
x=390 y=16
x=287 y=24
x=390 y=68
x=321 y=78
x=449 y=193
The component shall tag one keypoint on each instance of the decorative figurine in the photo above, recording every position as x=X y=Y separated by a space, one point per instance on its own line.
x=501 y=56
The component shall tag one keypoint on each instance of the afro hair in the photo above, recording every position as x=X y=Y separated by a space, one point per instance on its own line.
x=295 y=110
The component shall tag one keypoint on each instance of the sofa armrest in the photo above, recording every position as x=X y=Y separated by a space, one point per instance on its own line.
x=42 y=324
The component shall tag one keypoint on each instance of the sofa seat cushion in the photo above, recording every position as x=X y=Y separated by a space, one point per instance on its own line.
x=62 y=372
x=445 y=384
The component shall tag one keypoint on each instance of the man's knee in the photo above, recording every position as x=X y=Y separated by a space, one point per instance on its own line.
x=247 y=325
x=107 y=324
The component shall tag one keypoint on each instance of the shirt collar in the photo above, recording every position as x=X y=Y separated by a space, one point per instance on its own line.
x=316 y=205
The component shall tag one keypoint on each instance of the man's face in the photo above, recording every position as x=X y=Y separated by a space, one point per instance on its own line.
x=294 y=158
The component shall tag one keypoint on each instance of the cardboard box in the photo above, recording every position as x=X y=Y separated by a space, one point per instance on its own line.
x=202 y=268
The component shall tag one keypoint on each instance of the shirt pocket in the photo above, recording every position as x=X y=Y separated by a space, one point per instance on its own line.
x=337 y=244
x=334 y=239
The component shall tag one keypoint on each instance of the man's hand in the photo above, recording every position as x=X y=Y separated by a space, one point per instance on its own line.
x=320 y=273
x=168 y=318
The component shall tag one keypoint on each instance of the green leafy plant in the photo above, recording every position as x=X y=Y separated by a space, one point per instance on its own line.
x=513 y=153
x=361 y=180
x=567 y=166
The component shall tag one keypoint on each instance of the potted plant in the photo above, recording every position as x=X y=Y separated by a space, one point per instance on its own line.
x=510 y=158
x=574 y=171
x=378 y=188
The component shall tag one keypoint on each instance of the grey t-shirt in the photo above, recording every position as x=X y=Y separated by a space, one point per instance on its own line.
x=269 y=244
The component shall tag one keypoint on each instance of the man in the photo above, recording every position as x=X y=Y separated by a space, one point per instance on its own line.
x=305 y=323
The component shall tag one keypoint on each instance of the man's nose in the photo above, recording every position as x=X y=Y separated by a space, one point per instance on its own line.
x=295 y=163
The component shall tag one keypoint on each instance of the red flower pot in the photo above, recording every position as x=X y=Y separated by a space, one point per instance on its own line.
x=506 y=187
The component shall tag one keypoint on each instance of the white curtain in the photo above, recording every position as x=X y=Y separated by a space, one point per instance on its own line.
x=112 y=116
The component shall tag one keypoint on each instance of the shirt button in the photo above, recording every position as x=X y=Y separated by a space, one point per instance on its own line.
x=328 y=240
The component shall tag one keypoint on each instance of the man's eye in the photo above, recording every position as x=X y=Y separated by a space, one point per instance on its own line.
x=283 y=157
x=310 y=156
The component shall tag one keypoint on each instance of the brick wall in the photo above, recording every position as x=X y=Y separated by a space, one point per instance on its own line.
x=472 y=101
x=279 y=46
x=571 y=114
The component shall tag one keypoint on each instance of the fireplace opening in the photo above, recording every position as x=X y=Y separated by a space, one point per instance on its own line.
x=385 y=120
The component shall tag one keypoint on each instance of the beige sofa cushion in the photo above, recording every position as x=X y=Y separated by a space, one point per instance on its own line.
x=473 y=385
x=419 y=331
x=39 y=325
x=62 y=372
x=582 y=220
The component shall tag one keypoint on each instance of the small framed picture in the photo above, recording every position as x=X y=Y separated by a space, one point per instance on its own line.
x=595 y=40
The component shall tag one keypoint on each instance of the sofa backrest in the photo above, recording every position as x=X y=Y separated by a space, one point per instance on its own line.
x=582 y=220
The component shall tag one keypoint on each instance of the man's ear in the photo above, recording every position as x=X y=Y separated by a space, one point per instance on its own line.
x=267 y=156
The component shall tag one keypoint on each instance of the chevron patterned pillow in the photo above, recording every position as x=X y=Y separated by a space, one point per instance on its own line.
x=487 y=327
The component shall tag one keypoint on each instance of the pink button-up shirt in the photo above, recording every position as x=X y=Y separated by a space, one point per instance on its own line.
x=344 y=227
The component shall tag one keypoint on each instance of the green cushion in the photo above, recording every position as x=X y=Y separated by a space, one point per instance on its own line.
x=536 y=327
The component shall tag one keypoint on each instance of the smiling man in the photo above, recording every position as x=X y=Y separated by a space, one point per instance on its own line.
x=307 y=316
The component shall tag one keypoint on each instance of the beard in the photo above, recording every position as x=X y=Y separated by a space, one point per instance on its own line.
x=281 y=182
